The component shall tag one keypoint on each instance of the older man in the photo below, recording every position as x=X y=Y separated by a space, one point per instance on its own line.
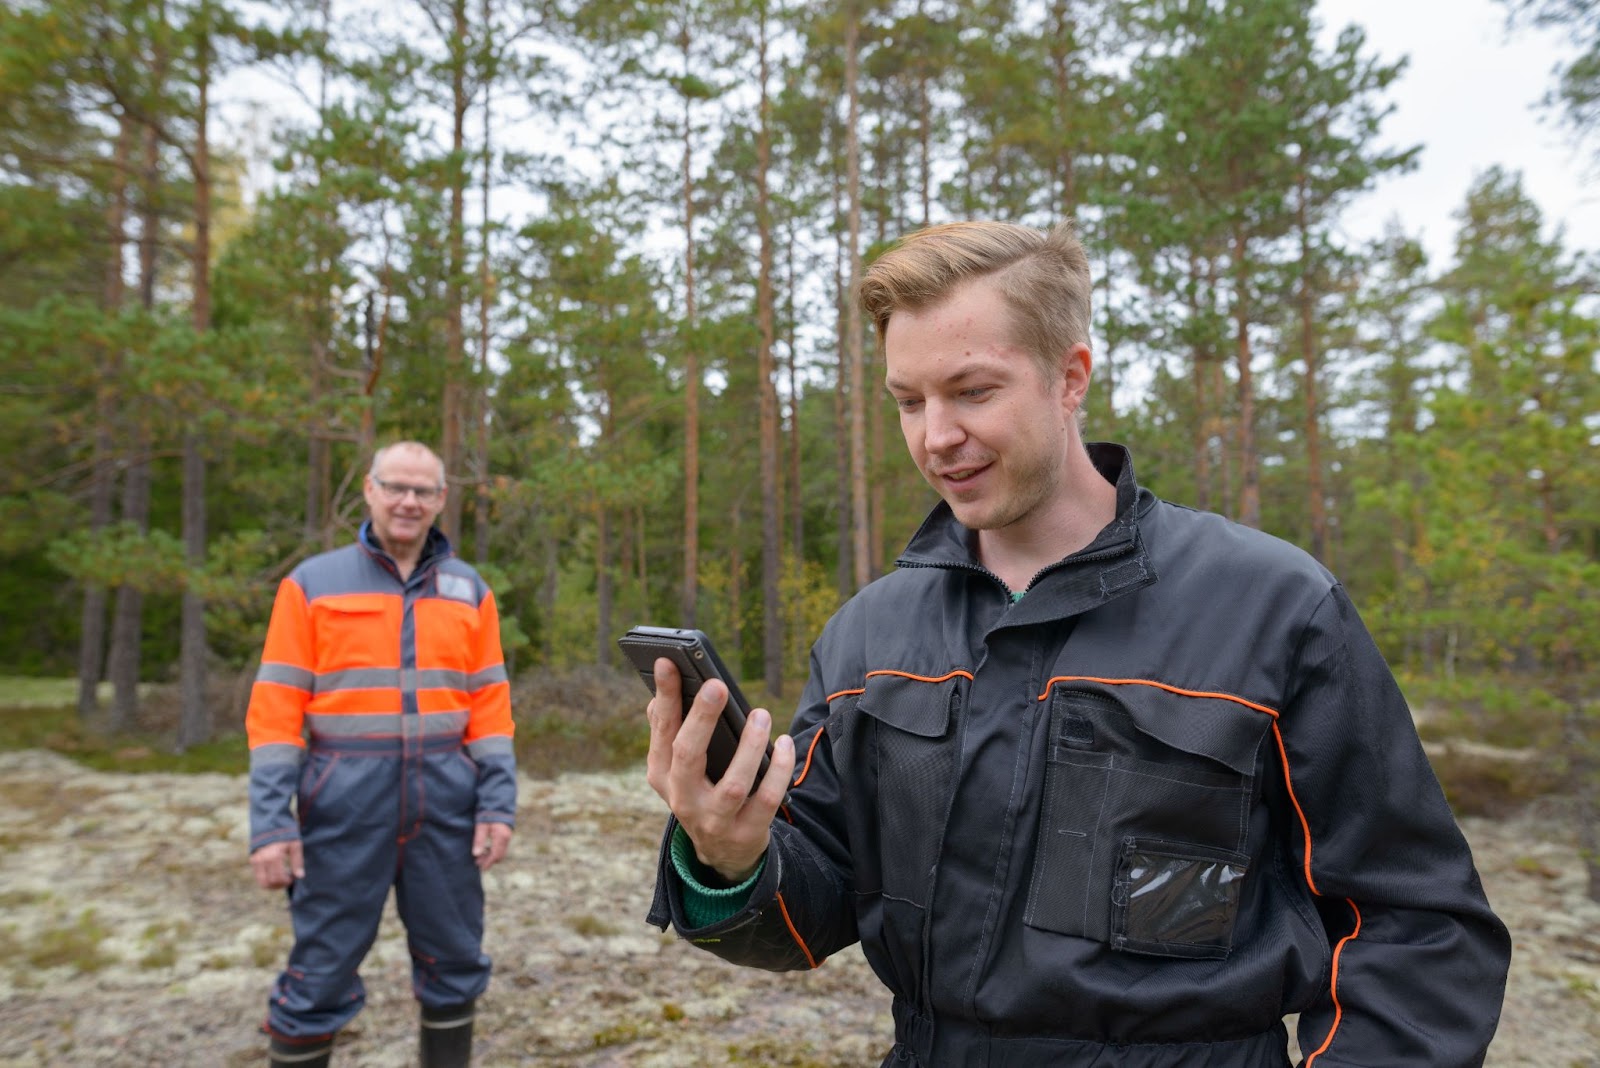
x=380 y=755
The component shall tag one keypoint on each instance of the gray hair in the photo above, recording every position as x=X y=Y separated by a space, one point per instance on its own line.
x=405 y=446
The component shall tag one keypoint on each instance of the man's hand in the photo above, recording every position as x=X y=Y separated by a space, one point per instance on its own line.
x=489 y=844
x=278 y=864
x=729 y=825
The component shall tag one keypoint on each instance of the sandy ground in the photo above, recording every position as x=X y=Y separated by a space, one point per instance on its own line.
x=132 y=935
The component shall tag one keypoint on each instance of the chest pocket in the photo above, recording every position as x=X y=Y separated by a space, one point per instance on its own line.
x=1145 y=811
x=357 y=630
x=908 y=720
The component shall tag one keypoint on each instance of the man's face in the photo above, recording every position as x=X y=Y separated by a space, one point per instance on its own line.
x=986 y=426
x=405 y=497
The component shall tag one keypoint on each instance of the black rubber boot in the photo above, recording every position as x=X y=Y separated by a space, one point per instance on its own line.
x=282 y=1054
x=446 y=1036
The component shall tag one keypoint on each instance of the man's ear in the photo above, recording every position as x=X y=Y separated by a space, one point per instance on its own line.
x=1076 y=364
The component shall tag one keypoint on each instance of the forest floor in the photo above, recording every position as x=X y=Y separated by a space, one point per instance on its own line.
x=132 y=934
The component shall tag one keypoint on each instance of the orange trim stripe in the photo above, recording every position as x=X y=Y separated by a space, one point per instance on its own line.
x=801 y=942
x=806 y=769
x=1160 y=686
x=924 y=678
x=958 y=672
x=1333 y=986
x=1305 y=825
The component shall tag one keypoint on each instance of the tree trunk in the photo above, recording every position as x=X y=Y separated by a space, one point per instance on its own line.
x=480 y=454
x=195 y=721
x=455 y=371
x=1201 y=444
x=127 y=616
x=841 y=425
x=861 y=516
x=1316 y=493
x=1249 y=466
x=92 y=630
x=122 y=662
x=549 y=590
x=797 y=512
x=771 y=520
x=690 y=596
x=604 y=589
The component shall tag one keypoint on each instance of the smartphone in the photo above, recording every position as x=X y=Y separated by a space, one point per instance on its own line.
x=697 y=662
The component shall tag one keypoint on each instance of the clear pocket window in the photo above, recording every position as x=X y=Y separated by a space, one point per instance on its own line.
x=1176 y=899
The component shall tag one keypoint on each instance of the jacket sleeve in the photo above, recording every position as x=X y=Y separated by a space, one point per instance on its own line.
x=276 y=714
x=799 y=911
x=489 y=725
x=1419 y=960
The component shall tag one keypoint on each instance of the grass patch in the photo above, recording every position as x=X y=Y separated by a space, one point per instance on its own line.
x=620 y=1034
x=16 y=899
x=22 y=691
x=266 y=952
x=591 y=926
x=75 y=945
x=58 y=728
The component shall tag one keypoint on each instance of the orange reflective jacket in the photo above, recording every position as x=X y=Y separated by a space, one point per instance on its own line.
x=358 y=662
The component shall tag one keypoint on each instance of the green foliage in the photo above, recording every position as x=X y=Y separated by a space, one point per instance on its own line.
x=30 y=718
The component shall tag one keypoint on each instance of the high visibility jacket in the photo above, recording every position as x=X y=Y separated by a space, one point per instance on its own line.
x=358 y=663
x=1137 y=817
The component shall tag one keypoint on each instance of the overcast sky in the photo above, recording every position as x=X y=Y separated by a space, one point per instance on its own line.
x=1468 y=96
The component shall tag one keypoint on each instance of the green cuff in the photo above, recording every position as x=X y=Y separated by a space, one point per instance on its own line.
x=703 y=906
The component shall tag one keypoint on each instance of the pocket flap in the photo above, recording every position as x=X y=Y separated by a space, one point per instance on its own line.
x=911 y=703
x=1213 y=727
x=356 y=603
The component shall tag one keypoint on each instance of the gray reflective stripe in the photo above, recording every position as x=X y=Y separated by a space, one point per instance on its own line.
x=384 y=724
x=486 y=677
x=286 y=675
x=494 y=744
x=445 y=1025
x=358 y=679
x=317 y=1052
x=352 y=725
x=276 y=753
x=441 y=679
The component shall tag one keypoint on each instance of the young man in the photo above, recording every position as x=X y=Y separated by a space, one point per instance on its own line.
x=1094 y=778
x=383 y=710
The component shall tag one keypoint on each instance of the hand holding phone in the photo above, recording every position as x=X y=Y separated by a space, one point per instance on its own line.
x=692 y=653
x=730 y=833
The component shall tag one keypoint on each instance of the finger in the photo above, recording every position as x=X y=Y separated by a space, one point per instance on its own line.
x=774 y=786
x=666 y=714
x=297 y=860
x=480 y=840
x=495 y=839
x=746 y=762
x=689 y=747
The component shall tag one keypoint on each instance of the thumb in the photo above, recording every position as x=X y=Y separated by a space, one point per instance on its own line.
x=297 y=860
x=480 y=840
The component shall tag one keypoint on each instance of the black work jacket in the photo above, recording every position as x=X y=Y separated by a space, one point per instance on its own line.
x=1135 y=818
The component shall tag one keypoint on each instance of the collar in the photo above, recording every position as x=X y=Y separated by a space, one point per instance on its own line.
x=435 y=548
x=942 y=540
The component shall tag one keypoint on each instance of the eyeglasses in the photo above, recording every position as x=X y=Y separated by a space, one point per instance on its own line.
x=396 y=491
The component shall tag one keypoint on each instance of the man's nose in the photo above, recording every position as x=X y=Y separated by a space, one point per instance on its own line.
x=941 y=427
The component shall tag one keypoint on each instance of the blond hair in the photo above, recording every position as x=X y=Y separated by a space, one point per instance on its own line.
x=1043 y=277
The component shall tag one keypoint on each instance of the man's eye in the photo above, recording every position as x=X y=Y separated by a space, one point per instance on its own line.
x=907 y=404
x=976 y=392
